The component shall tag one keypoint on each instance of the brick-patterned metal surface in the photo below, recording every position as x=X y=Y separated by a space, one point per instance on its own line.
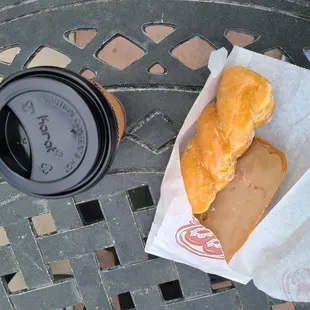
x=156 y=107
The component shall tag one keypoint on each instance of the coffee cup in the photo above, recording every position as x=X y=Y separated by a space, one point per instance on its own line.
x=58 y=131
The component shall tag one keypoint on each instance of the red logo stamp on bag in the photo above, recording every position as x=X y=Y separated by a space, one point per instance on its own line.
x=199 y=240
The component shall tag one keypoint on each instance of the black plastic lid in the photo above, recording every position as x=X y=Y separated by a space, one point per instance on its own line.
x=58 y=134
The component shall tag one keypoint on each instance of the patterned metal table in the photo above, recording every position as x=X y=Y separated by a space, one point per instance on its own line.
x=157 y=82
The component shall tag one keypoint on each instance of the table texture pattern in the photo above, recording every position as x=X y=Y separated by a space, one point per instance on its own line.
x=157 y=104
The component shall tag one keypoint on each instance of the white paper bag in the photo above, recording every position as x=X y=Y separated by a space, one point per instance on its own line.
x=277 y=254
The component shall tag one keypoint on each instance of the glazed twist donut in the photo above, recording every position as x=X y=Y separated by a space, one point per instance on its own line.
x=225 y=130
